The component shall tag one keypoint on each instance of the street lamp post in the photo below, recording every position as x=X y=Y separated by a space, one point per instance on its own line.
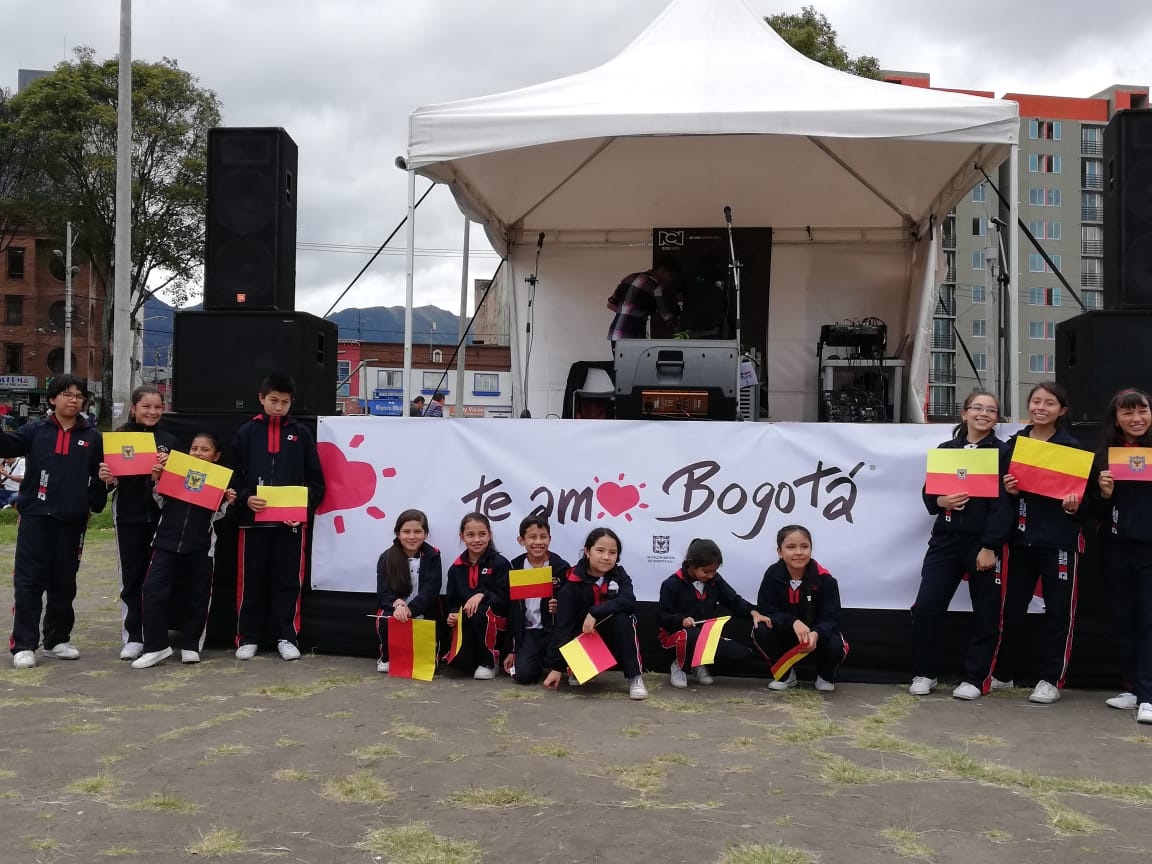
x=69 y=272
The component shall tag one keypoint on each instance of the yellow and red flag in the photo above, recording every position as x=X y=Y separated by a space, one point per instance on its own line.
x=974 y=472
x=129 y=453
x=1048 y=469
x=587 y=656
x=533 y=582
x=705 y=651
x=193 y=480
x=1130 y=463
x=457 y=637
x=283 y=503
x=783 y=666
x=412 y=649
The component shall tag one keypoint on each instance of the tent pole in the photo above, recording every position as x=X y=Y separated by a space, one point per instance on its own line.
x=409 y=264
x=1012 y=384
x=463 y=322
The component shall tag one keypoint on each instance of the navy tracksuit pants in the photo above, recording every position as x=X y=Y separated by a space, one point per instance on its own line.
x=948 y=559
x=1128 y=569
x=775 y=642
x=47 y=559
x=479 y=644
x=134 y=551
x=191 y=576
x=682 y=644
x=1057 y=572
x=270 y=577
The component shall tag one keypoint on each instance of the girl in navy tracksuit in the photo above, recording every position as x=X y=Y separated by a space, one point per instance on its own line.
x=597 y=595
x=802 y=603
x=1124 y=508
x=135 y=514
x=477 y=588
x=691 y=596
x=968 y=538
x=408 y=579
x=182 y=552
x=1045 y=546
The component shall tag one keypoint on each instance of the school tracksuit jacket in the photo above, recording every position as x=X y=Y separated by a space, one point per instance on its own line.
x=530 y=643
x=426 y=603
x=272 y=451
x=815 y=600
x=135 y=514
x=61 y=487
x=488 y=576
x=1045 y=547
x=611 y=600
x=957 y=538
x=680 y=598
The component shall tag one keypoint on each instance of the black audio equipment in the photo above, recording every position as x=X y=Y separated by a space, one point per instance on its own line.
x=220 y=358
x=1099 y=353
x=250 y=249
x=1128 y=211
x=676 y=379
x=867 y=339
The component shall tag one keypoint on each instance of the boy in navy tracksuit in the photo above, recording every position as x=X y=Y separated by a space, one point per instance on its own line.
x=531 y=621
x=182 y=552
x=61 y=487
x=272 y=449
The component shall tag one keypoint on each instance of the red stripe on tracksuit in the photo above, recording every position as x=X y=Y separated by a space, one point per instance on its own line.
x=986 y=684
x=1071 y=618
x=492 y=627
x=677 y=641
x=300 y=577
x=239 y=583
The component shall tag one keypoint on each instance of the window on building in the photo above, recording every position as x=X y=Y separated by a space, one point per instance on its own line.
x=389 y=379
x=1036 y=363
x=14 y=310
x=1036 y=329
x=1093 y=234
x=56 y=361
x=1044 y=163
x=979 y=327
x=15 y=262
x=486 y=383
x=980 y=193
x=979 y=226
x=1040 y=196
x=1054 y=294
x=1092 y=136
x=434 y=380
x=1052 y=230
x=1036 y=226
x=978 y=294
x=1045 y=130
x=13 y=359
x=978 y=259
x=344 y=371
x=1034 y=129
x=437 y=356
x=1043 y=297
x=1036 y=263
x=980 y=361
x=1093 y=299
x=1053 y=197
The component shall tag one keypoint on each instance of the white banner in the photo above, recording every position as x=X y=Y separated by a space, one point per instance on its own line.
x=856 y=487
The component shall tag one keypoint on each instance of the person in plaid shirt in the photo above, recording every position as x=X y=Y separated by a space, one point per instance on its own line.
x=639 y=296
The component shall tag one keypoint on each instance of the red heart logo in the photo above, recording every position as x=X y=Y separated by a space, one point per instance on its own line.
x=347 y=485
x=616 y=499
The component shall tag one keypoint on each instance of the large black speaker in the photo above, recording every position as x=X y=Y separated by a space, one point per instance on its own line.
x=220 y=358
x=1128 y=211
x=1099 y=353
x=250 y=254
x=676 y=379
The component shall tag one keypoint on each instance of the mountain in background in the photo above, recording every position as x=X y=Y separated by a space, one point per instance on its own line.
x=374 y=324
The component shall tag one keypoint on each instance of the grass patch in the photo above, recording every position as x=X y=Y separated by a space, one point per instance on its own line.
x=111 y=759
x=738 y=745
x=338 y=715
x=289 y=775
x=645 y=778
x=502 y=797
x=7 y=773
x=996 y=836
x=42 y=844
x=1138 y=739
x=416 y=844
x=374 y=751
x=219 y=841
x=296 y=691
x=22 y=701
x=635 y=730
x=287 y=742
x=906 y=843
x=1067 y=821
x=211 y=722
x=82 y=727
x=165 y=802
x=744 y=700
x=498 y=723
x=118 y=851
x=678 y=706
x=519 y=693
x=33 y=677
x=985 y=740
x=101 y=785
x=838 y=771
x=556 y=751
x=410 y=732
x=229 y=750
x=165 y=686
x=363 y=787
x=760 y=853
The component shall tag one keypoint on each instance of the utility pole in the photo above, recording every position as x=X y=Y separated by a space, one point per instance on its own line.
x=68 y=301
x=463 y=324
x=121 y=337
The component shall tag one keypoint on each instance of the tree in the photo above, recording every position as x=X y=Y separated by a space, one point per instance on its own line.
x=66 y=123
x=12 y=173
x=812 y=35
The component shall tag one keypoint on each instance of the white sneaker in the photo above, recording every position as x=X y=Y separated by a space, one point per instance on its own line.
x=147 y=661
x=24 y=659
x=703 y=676
x=572 y=682
x=997 y=684
x=1124 y=701
x=966 y=691
x=637 y=690
x=484 y=673
x=787 y=684
x=825 y=686
x=287 y=650
x=131 y=650
x=679 y=676
x=1144 y=714
x=381 y=665
x=246 y=652
x=1045 y=693
x=187 y=656
x=922 y=686
x=62 y=651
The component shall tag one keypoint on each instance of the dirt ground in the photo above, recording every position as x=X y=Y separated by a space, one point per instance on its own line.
x=324 y=760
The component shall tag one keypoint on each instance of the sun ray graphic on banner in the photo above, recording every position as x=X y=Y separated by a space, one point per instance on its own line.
x=348 y=485
x=617 y=498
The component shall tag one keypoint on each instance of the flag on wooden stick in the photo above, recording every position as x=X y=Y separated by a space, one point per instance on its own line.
x=129 y=454
x=783 y=666
x=412 y=649
x=457 y=642
x=709 y=638
x=587 y=656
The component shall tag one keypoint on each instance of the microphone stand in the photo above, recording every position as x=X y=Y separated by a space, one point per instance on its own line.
x=734 y=266
x=525 y=414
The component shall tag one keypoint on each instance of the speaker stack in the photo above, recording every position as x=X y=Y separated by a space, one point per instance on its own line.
x=1103 y=351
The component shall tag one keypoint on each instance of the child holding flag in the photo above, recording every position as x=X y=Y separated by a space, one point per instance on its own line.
x=689 y=598
x=135 y=513
x=1045 y=546
x=408 y=578
x=533 y=619
x=968 y=537
x=272 y=449
x=182 y=553
x=801 y=601
x=477 y=594
x=598 y=597
x=1124 y=505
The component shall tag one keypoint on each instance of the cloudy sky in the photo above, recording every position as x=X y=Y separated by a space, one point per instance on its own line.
x=342 y=76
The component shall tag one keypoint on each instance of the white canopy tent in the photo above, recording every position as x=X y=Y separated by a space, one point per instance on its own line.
x=710 y=107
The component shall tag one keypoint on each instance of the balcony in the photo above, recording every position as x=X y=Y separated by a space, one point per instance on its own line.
x=945 y=306
x=1091 y=148
x=1092 y=182
x=1091 y=280
x=950 y=275
x=1093 y=248
x=1091 y=214
x=944 y=343
x=944 y=411
x=949 y=240
x=1093 y=299
x=941 y=376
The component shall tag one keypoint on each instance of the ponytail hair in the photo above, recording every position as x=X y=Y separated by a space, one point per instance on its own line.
x=702 y=553
x=396 y=569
